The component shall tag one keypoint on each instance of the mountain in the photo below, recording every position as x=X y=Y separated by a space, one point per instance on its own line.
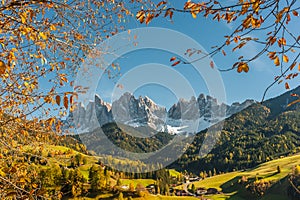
x=186 y=116
x=257 y=134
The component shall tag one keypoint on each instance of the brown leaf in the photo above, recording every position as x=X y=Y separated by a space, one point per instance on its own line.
x=66 y=102
x=57 y=99
x=292 y=66
x=287 y=86
x=295 y=13
x=223 y=52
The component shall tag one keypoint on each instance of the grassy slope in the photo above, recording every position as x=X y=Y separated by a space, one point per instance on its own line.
x=267 y=171
x=225 y=182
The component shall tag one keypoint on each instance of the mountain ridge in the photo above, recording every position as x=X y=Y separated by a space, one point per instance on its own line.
x=185 y=116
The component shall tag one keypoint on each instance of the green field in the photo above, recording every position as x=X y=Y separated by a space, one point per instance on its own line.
x=266 y=171
x=227 y=183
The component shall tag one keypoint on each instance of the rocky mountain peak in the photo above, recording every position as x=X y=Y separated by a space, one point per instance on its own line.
x=143 y=111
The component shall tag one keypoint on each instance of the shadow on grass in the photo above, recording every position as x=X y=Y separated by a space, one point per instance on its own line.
x=239 y=190
x=278 y=191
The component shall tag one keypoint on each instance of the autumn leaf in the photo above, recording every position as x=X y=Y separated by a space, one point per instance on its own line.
x=242 y=67
x=223 y=52
x=285 y=58
x=276 y=61
x=66 y=102
x=140 y=16
x=294 y=95
x=2 y=67
x=287 y=86
x=194 y=15
x=43 y=35
x=295 y=13
x=23 y=17
x=172 y=59
x=175 y=63
x=160 y=3
x=52 y=27
x=292 y=66
x=57 y=99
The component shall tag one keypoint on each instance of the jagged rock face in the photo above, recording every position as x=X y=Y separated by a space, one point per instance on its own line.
x=137 y=112
x=206 y=107
x=185 y=110
x=143 y=111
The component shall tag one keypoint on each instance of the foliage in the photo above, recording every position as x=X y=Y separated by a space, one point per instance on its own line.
x=42 y=44
x=267 y=24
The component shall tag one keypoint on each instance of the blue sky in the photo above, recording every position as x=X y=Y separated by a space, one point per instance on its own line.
x=238 y=87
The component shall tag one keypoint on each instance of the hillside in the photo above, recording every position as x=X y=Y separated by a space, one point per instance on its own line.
x=259 y=133
x=233 y=187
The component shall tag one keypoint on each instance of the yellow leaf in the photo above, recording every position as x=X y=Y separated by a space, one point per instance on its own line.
x=194 y=15
x=243 y=67
x=26 y=84
x=23 y=17
x=276 y=61
x=2 y=67
x=285 y=58
x=43 y=35
x=52 y=27
x=255 y=6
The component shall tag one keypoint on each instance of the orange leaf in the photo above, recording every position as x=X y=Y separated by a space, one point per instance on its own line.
x=276 y=61
x=57 y=99
x=161 y=3
x=285 y=58
x=287 y=86
x=242 y=67
x=294 y=95
x=175 y=63
x=2 y=67
x=172 y=59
